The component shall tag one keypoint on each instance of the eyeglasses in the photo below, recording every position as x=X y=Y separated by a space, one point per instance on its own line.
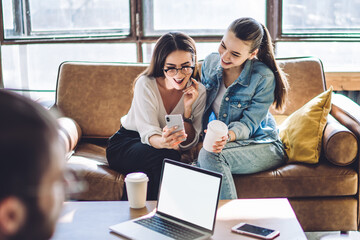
x=173 y=71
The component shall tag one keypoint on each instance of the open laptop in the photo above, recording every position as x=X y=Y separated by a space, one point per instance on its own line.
x=187 y=201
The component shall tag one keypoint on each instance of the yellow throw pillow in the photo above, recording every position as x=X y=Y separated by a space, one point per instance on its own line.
x=301 y=133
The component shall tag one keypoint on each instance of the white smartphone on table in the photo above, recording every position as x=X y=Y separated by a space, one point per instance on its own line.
x=255 y=231
x=174 y=120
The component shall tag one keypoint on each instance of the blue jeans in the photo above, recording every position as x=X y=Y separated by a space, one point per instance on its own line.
x=239 y=159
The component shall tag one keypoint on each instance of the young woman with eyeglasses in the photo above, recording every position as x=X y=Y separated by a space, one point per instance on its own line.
x=167 y=86
x=242 y=81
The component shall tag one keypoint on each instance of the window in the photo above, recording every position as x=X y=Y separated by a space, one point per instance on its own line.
x=65 y=18
x=329 y=30
x=200 y=17
x=321 y=17
x=32 y=28
x=336 y=56
x=32 y=68
x=38 y=35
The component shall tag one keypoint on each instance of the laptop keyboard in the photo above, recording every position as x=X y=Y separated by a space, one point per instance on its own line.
x=168 y=228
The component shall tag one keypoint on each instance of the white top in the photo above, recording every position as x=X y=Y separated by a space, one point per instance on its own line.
x=147 y=111
x=217 y=102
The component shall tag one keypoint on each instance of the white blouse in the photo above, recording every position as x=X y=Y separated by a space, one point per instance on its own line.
x=147 y=111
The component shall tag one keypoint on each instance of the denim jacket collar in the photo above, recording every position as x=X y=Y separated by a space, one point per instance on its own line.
x=245 y=76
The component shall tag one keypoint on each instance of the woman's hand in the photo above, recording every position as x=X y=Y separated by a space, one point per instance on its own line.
x=219 y=145
x=171 y=139
x=191 y=94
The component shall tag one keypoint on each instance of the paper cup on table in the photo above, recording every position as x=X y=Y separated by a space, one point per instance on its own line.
x=136 y=187
x=216 y=129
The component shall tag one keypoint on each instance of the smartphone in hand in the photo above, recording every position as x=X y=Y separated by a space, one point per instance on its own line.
x=255 y=231
x=174 y=120
x=189 y=83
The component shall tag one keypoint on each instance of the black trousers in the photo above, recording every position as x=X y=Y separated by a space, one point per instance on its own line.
x=126 y=153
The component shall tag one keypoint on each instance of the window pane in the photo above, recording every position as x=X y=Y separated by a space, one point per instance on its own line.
x=35 y=67
x=200 y=17
x=68 y=18
x=332 y=54
x=321 y=17
x=8 y=14
x=203 y=49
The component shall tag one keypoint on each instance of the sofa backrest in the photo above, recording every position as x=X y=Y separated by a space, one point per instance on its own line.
x=97 y=95
x=306 y=79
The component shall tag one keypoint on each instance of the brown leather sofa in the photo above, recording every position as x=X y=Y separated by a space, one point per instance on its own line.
x=93 y=96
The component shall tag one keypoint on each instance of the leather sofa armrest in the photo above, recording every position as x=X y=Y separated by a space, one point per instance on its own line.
x=339 y=144
x=70 y=132
x=347 y=112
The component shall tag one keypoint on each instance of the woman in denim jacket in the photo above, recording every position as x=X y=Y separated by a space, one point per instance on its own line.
x=242 y=81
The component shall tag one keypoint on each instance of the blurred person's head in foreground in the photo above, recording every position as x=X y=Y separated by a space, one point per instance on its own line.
x=31 y=169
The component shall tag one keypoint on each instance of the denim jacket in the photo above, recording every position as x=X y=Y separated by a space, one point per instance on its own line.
x=245 y=105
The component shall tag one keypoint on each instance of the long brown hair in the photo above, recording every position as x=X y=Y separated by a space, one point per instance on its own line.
x=165 y=45
x=248 y=29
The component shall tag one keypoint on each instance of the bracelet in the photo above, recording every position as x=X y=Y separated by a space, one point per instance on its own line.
x=188 y=120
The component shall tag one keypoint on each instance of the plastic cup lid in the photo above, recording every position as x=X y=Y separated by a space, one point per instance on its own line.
x=218 y=127
x=136 y=177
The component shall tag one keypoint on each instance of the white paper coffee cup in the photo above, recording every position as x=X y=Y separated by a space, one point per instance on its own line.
x=136 y=187
x=216 y=129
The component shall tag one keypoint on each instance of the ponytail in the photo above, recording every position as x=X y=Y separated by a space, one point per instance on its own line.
x=267 y=56
x=248 y=29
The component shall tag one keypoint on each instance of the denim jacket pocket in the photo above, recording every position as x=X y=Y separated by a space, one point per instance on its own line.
x=237 y=108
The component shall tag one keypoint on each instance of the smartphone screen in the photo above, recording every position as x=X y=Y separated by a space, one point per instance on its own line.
x=255 y=229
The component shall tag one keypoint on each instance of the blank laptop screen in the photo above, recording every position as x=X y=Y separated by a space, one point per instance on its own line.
x=189 y=195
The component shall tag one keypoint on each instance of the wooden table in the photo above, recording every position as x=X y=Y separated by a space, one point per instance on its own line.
x=91 y=220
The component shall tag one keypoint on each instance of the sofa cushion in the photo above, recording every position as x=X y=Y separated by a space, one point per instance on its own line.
x=299 y=180
x=301 y=133
x=89 y=162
